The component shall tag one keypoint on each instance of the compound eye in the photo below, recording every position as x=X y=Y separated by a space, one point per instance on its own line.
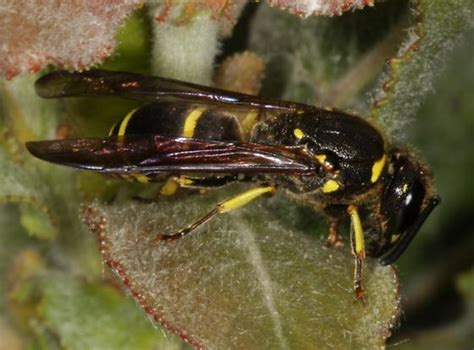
x=403 y=197
x=413 y=195
x=404 y=206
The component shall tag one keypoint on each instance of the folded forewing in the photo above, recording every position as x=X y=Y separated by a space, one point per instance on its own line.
x=148 y=88
x=155 y=154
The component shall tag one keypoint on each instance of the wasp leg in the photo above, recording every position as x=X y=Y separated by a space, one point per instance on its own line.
x=211 y=182
x=170 y=186
x=334 y=238
x=358 y=250
x=334 y=214
x=223 y=207
x=174 y=182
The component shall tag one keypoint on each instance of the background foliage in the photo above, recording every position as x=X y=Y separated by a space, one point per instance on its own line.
x=267 y=262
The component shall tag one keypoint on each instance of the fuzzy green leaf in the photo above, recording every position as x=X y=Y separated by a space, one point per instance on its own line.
x=20 y=186
x=47 y=197
x=326 y=61
x=246 y=280
x=185 y=51
x=94 y=316
x=13 y=238
x=441 y=25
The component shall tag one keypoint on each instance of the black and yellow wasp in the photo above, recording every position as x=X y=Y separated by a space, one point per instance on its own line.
x=198 y=136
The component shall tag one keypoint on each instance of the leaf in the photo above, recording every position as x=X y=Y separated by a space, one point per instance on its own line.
x=37 y=33
x=327 y=61
x=443 y=134
x=132 y=53
x=178 y=50
x=20 y=186
x=13 y=238
x=75 y=311
x=186 y=37
x=420 y=60
x=46 y=195
x=307 y=8
x=246 y=280
x=21 y=112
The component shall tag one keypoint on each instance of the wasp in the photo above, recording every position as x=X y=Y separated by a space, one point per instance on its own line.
x=188 y=135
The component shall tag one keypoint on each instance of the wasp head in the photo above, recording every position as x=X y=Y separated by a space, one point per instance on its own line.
x=406 y=203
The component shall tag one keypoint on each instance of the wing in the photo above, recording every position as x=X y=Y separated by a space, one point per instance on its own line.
x=137 y=86
x=154 y=154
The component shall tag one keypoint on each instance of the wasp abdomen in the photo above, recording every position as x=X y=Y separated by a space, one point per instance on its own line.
x=180 y=120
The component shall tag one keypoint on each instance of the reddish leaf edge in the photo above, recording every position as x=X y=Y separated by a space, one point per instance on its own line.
x=97 y=223
x=393 y=63
x=336 y=9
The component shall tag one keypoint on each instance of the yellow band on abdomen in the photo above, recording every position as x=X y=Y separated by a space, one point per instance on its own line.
x=124 y=123
x=191 y=121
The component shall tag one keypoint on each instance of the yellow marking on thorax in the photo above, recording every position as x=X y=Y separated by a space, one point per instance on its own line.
x=377 y=169
x=124 y=123
x=299 y=134
x=330 y=186
x=249 y=121
x=320 y=158
x=191 y=121
x=405 y=188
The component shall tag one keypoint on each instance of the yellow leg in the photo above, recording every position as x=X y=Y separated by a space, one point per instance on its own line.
x=358 y=250
x=243 y=198
x=173 y=183
x=170 y=187
x=223 y=207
